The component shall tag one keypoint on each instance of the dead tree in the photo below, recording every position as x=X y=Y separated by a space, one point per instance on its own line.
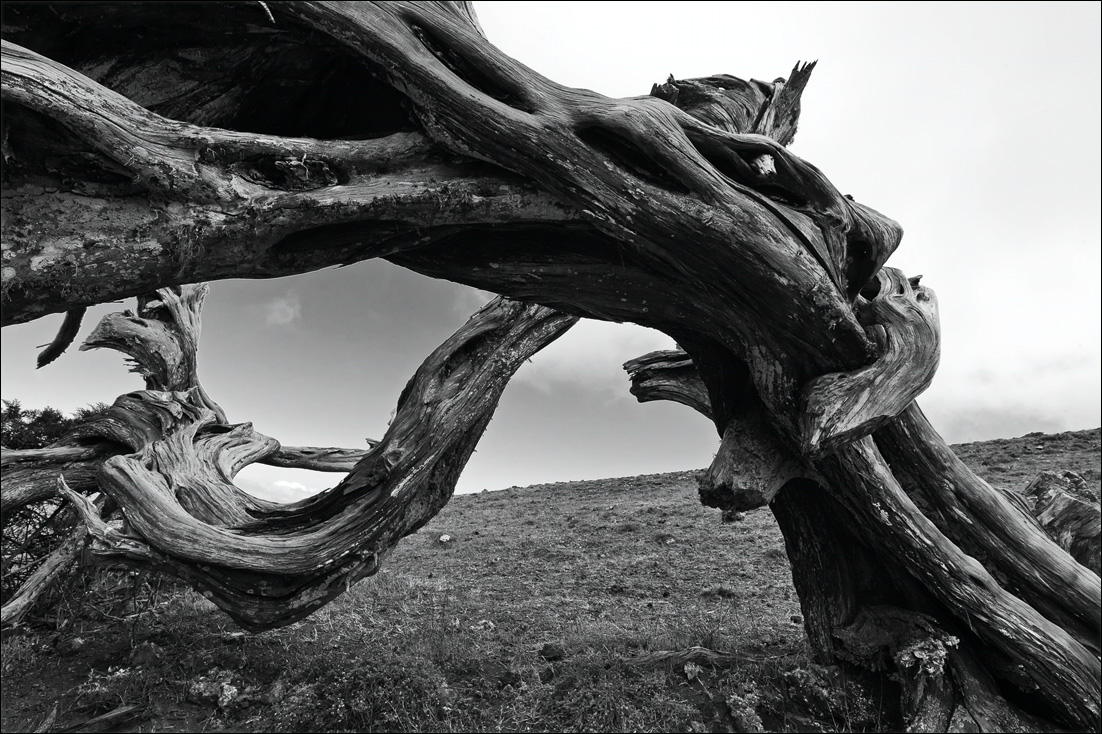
x=149 y=146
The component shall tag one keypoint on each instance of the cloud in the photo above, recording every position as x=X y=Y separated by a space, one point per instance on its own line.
x=283 y=483
x=264 y=482
x=469 y=300
x=1014 y=395
x=283 y=311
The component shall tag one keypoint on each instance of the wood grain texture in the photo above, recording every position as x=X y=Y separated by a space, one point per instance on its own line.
x=668 y=375
x=318 y=458
x=1069 y=514
x=902 y=318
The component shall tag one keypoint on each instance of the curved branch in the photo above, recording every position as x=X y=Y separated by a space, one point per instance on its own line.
x=318 y=459
x=993 y=530
x=1044 y=657
x=902 y=317
x=274 y=565
x=626 y=209
x=214 y=204
x=161 y=340
x=29 y=475
x=594 y=188
x=70 y=326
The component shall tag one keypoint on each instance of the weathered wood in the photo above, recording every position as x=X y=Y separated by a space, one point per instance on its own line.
x=1070 y=514
x=991 y=529
x=737 y=106
x=380 y=24
x=29 y=474
x=901 y=316
x=161 y=340
x=751 y=466
x=832 y=584
x=244 y=224
x=943 y=688
x=668 y=375
x=70 y=326
x=318 y=459
x=1046 y=658
x=833 y=573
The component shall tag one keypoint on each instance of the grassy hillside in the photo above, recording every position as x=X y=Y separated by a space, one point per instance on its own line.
x=525 y=609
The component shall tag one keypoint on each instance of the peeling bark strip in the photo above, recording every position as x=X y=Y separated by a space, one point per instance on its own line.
x=401 y=132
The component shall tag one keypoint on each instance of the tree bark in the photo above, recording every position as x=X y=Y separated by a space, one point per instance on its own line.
x=683 y=211
x=1069 y=513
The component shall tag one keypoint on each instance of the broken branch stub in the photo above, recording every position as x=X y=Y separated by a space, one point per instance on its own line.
x=738 y=106
x=751 y=466
x=161 y=340
x=752 y=463
x=668 y=375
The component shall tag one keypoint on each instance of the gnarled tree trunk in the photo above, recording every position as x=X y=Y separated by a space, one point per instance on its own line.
x=136 y=161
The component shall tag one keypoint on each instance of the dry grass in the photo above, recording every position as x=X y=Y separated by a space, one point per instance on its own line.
x=526 y=619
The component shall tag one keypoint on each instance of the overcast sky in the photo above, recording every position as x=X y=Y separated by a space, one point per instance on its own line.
x=976 y=126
